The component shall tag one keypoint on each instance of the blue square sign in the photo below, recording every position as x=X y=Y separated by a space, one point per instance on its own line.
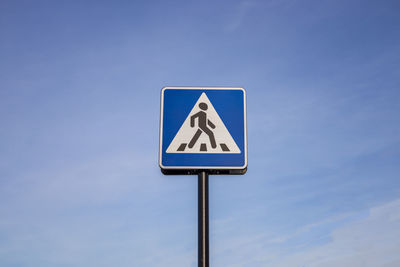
x=203 y=128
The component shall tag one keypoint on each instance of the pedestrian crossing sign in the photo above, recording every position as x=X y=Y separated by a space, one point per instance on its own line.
x=203 y=128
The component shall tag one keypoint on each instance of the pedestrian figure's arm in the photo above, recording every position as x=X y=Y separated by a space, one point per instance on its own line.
x=211 y=124
x=192 y=118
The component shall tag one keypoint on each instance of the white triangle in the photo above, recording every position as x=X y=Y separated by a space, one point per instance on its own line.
x=223 y=140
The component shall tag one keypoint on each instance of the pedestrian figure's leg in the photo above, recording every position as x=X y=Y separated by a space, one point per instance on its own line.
x=195 y=138
x=211 y=136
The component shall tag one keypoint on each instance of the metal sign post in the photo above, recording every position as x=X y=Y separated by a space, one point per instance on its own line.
x=203 y=132
x=203 y=221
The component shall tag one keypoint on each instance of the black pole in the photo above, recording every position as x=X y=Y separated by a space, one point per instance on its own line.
x=203 y=220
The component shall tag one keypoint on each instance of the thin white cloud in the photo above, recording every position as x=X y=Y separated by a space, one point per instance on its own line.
x=239 y=15
x=92 y=214
x=347 y=240
x=373 y=241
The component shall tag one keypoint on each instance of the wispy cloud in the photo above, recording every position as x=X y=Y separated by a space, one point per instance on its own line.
x=372 y=241
x=366 y=238
x=239 y=14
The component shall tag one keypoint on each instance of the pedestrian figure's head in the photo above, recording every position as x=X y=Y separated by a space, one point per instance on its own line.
x=203 y=106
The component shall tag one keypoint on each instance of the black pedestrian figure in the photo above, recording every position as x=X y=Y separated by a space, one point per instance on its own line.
x=203 y=121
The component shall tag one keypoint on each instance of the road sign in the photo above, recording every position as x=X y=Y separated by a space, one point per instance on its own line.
x=203 y=128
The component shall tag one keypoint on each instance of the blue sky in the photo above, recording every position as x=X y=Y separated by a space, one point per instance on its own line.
x=80 y=89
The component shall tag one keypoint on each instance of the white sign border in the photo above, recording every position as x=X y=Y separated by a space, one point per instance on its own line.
x=202 y=167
